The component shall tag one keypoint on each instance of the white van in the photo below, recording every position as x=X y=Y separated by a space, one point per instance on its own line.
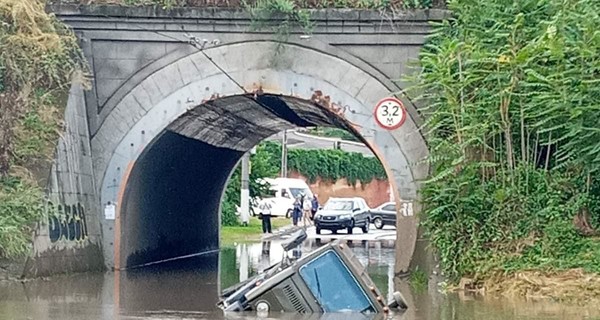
x=282 y=195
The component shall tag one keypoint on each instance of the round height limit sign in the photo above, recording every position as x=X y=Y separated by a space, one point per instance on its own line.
x=390 y=113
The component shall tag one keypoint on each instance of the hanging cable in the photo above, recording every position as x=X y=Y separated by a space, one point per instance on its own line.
x=195 y=42
x=200 y=44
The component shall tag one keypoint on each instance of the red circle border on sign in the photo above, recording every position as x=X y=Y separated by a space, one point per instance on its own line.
x=404 y=114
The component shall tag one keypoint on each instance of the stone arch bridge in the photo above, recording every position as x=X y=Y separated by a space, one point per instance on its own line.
x=164 y=123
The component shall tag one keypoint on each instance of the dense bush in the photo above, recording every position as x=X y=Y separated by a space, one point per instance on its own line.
x=329 y=164
x=38 y=55
x=512 y=89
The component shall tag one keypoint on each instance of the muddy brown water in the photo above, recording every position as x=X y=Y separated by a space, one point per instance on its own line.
x=188 y=289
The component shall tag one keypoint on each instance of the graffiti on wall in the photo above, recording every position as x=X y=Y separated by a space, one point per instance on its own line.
x=67 y=223
x=338 y=108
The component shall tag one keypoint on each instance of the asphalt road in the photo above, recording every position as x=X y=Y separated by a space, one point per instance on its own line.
x=307 y=141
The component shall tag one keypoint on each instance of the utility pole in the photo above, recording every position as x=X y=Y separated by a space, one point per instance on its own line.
x=245 y=191
x=284 y=155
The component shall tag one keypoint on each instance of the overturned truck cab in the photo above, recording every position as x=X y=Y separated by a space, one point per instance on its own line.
x=329 y=279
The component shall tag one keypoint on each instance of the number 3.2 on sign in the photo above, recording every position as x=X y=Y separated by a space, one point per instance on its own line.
x=390 y=113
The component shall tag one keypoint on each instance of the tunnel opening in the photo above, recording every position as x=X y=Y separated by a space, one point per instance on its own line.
x=170 y=206
x=331 y=161
x=170 y=187
x=324 y=161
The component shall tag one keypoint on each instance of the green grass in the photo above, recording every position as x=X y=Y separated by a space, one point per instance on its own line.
x=250 y=233
x=418 y=280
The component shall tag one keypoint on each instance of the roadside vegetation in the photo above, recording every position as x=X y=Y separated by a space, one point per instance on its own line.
x=512 y=91
x=327 y=165
x=250 y=233
x=38 y=56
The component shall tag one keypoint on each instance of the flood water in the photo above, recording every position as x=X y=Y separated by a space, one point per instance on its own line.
x=188 y=289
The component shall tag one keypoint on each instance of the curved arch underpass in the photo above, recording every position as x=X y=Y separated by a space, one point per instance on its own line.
x=164 y=150
x=171 y=203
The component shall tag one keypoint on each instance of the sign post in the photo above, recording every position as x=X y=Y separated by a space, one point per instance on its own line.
x=390 y=113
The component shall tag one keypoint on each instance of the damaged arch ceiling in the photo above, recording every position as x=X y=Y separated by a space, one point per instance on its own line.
x=240 y=122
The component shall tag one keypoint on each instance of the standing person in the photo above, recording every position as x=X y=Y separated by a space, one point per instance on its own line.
x=306 y=207
x=314 y=206
x=265 y=211
x=297 y=213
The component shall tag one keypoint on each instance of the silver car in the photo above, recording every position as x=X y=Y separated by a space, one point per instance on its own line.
x=343 y=213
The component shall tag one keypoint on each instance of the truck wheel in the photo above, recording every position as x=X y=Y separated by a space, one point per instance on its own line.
x=288 y=214
x=378 y=222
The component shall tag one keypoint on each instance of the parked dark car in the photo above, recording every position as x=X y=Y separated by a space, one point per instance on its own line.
x=328 y=280
x=343 y=213
x=384 y=215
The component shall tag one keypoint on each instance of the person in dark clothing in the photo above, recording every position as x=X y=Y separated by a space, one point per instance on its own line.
x=297 y=212
x=314 y=206
x=265 y=212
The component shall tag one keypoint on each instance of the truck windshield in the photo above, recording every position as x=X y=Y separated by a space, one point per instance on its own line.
x=333 y=285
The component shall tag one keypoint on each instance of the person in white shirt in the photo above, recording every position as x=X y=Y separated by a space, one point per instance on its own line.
x=265 y=214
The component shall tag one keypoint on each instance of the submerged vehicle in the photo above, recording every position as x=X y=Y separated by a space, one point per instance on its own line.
x=329 y=279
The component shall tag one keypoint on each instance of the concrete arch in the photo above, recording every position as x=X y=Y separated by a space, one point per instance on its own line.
x=170 y=91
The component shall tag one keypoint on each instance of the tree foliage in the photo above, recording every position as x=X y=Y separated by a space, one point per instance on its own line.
x=512 y=89
x=261 y=167
x=329 y=164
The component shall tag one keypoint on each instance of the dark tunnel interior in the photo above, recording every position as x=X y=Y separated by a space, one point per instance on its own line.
x=172 y=198
x=172 y=184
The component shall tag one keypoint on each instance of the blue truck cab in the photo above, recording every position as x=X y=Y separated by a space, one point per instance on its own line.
x=329 y=279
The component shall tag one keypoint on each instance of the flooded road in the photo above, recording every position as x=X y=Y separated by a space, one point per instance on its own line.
x=188 y=289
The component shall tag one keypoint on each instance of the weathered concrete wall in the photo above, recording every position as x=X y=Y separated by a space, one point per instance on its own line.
x=119 y=42
x=70 y=240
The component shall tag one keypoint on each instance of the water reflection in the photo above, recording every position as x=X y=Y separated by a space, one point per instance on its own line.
x=184 y=285
x=188 y=289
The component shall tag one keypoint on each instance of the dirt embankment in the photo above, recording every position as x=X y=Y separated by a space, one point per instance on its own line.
x=572 y=287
